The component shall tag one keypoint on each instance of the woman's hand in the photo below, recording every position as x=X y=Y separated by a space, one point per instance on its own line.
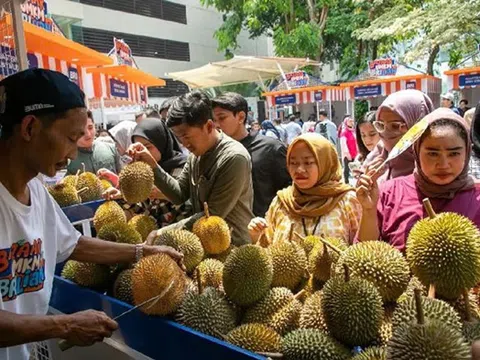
x=256 y=228
x=367 y=190
x=156 y=194
x=138 y=152
x=112 y=194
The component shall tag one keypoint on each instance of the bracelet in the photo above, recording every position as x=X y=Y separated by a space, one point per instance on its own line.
x=138 y=252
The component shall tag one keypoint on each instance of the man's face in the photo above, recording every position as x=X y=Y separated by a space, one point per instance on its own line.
x=86 y=141
x=230 y=123
x=195 y=138
x=463 y=105
x=446 y=103
x=49 y=148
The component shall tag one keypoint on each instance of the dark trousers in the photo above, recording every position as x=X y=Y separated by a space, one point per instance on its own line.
x=346 y=170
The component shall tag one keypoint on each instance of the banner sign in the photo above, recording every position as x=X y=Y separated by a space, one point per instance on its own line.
x=411 y=85
x=368 y=91
x=285 y=99
x=118 y=88
x=9 y=62
x=36 y=13
x=143 y=98
x=297 y=79
x=73 y=75
x=382 y=67
x=123 y=53
x=469 y=80
x=319 y=96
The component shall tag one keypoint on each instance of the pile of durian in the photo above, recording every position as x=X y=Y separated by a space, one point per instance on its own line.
x=306 y=298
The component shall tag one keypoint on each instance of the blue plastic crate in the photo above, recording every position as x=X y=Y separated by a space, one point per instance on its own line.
x=156 y=337
x=83 y=211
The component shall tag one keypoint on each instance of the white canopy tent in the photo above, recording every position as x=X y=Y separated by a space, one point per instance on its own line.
x=239 y=69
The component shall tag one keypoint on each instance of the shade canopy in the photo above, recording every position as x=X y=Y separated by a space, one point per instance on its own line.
x=127 y=73
x=239 y=69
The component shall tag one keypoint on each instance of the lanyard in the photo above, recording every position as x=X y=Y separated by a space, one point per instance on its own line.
x=314 y=229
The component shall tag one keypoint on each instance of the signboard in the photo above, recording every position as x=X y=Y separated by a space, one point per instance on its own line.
x=285 y=99
x=319 y=96
x=9 y=62
x=382 y=67
x=118 y=88
x=297 y=79
x=368 y=91
x=73 y=75
x=123 y=53
x=143 y=97
x=411 y=85
x=469 y=80
x=36 y=13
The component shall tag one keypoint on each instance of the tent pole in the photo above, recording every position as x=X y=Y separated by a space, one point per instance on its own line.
x=318 y=116
x=283 y=75
x=330 y=109
x=19 y=36
x=102 y=110
x=262 y=84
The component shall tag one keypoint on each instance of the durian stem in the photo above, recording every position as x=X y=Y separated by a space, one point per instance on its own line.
x=76 y=177
x=331 y=246
x=468 y=311
x=271 y=355
x=220 y=335
x=429 y=208
x=290 y=235
x=205 y=209
x=347 y=272
x=299 y=236
x=83 y=167
x=82 y=190
x=300 y=294
x=418 y=306
x=431 y=291
x=199 y=281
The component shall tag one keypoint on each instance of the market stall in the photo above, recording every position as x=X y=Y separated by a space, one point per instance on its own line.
x=467 y=81
x=385 y=77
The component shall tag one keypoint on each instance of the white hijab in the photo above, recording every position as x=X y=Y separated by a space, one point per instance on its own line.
x=122 y=132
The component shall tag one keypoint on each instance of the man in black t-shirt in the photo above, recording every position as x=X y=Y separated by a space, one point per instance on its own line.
x=269 y=165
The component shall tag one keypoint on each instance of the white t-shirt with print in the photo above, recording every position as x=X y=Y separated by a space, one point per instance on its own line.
x=34 y=238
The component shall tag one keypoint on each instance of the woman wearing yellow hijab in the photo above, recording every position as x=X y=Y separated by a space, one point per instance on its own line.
x=318 y=202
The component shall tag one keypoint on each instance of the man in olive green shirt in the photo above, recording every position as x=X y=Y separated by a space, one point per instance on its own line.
x=95 y=155
x=218 y=171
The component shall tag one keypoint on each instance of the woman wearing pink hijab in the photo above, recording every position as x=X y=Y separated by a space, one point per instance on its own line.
x=442 y=157
x=398 y=113
x=348 y=145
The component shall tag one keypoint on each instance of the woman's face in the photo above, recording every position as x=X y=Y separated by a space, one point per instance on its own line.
x=394 y=128
x=302 y=166
x=442 y=155
x=350 y=123
x=152 y=149
x=370 y=136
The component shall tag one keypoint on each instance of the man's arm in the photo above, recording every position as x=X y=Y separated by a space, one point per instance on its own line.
x=176 y=190
x=281 y=178
x=102 y=252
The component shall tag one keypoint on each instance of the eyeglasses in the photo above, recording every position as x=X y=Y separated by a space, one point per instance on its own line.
x=393 y=126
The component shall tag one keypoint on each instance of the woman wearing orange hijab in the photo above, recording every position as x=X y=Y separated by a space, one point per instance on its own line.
x=318 y=202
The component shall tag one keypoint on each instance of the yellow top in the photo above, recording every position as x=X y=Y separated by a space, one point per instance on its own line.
x=341 y=222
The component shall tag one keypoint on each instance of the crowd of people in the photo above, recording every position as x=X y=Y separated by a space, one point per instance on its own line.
x=271 y=180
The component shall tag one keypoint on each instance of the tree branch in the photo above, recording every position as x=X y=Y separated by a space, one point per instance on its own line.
x=431 y=59
x=311 y=10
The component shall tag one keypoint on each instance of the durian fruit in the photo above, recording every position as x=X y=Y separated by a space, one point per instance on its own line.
x=64 y=194
x=207 y=311
x=211 y=273
x=122 y=288
x=255 y=338
x=379 y=263
x=119 y=232
x=108 y=213
x=444 y=250
x=223 y=256
x=289 y=264
x=105 y=184
x=70 y=180
x=93 y=187
x=185 y=242
x=136 y=182
x=372 y=353
x=94 y=276
x=309 y=242
x=311 y=315
x=427 y=339
x=460 y=307
x=433 y=309
x=356 y=302
x=308 y=287
x=322 y=258
x=213 y=232
x=247 y=274
x=279 y=310
x=386 y=328
x=144 y=224
x=413 y=284
x=158 y=275
x=306 y=344
x=471 y=325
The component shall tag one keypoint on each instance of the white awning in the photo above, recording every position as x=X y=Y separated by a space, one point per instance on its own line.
x=239 y=69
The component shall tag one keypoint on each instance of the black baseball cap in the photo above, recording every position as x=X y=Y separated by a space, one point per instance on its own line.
x=37 y=92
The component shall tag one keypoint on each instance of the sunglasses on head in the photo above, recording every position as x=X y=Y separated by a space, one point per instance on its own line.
x=393 y=126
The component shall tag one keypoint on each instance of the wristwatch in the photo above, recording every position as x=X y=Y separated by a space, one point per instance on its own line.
x=138 y=252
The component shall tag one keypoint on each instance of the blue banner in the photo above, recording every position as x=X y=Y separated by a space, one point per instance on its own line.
x=469 y=80
x=9 y=63
x=318 y=96
x=411 y=85
x=118 y=88
x=367 y=91
x=285 y=99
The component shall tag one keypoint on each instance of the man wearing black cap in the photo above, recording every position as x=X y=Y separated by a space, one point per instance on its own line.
x=42 y=115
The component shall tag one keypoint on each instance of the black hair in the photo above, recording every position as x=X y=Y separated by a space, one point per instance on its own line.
x=90 y=115
x=153 y=114
x=322 y=113
x=464 y=101
x=233 y=102
x=167 y=103
x=373 y=108
x=192 y=109
x=459 y=129
x=368 y=118
x=7 y=125
x=103 y=131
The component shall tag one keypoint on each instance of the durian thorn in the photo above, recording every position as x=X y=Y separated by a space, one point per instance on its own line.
x=468 y=311
x=205 y=209
x=429 y=208
x=418 y=306
x=347 y=272
x=199 y=281
x=271 y=355
x=82 y=190
x=300 y=294
x=431 y=291
x=331 y=246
